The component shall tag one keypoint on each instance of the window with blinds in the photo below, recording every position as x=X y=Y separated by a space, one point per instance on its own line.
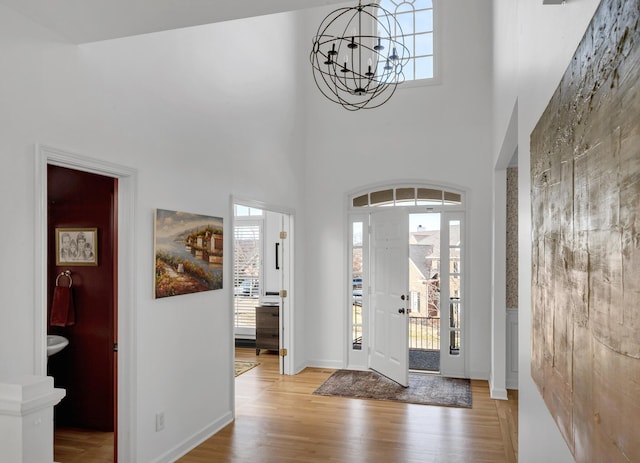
x=246 y=274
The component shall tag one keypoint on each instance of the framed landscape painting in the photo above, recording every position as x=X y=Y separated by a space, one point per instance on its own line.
x=188 y=253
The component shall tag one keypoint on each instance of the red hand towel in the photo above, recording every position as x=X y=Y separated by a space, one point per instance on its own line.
x=62 y=310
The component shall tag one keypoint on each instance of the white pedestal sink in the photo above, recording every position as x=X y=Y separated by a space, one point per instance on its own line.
x=55 y=343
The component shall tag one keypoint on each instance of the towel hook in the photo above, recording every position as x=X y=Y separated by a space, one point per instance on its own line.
x=66 y=273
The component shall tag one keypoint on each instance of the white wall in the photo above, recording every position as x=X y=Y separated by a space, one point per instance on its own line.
x=191 y=110
x=439 y=133
x=546 y=37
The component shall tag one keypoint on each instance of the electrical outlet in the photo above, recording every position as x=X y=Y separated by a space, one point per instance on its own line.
x=159 y=421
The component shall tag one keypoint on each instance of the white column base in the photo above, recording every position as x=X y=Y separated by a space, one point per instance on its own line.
x=26 y=419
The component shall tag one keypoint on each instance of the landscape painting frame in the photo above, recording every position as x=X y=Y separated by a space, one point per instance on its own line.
x=188 y=253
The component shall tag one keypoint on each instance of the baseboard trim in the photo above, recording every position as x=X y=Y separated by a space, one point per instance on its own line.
x=497 y=393
x=198 y=438
x=480 y=375
x=325 y=364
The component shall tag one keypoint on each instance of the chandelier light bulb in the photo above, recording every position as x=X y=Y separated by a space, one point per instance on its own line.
x=369 y=73
x=344 y=66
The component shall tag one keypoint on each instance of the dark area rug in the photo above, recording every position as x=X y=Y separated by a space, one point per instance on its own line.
x=423 y=389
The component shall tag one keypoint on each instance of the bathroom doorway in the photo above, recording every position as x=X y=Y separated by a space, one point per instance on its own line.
x=82 y=244
x=121 y=290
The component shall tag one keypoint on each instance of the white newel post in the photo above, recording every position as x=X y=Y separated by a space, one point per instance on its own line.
x=26 y=419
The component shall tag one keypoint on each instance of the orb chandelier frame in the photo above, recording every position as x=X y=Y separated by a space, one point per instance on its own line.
x=358 y=55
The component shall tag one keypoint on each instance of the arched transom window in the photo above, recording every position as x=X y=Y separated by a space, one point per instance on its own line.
x=407 y=196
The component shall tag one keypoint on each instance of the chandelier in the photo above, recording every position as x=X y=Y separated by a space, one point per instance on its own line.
x=358 y=55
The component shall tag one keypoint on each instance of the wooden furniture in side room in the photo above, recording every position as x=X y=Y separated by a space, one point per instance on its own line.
x=267 y=327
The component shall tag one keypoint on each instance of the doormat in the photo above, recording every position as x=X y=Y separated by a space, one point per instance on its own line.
x=424 y=389
x=423 y=359
x=243 y=367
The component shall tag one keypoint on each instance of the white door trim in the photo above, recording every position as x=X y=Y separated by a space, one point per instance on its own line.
x=356 y=361
x=127 y=350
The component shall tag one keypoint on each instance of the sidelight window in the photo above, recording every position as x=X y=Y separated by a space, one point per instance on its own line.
x=356 y=284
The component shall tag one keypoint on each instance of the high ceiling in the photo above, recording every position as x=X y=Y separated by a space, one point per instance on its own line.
x=83 y=21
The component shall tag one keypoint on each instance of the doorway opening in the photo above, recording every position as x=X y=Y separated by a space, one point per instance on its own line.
x=424 y=292
x=82 y=245
x=262 y=274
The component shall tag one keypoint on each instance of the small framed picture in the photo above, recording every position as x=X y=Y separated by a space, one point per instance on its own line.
x=76 y=246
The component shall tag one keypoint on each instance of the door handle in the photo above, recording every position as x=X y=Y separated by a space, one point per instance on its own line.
x=403 y=297
x=400 y=310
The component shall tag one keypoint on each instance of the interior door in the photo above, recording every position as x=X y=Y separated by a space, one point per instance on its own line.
x=389 y=290
x=281 y=252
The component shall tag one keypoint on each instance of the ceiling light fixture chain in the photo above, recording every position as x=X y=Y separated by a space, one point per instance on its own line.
x=358 y=56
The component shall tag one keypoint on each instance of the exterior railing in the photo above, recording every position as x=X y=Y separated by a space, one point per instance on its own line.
x=424 y=333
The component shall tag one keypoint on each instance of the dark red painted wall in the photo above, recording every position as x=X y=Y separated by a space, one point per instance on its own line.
x=85 y=368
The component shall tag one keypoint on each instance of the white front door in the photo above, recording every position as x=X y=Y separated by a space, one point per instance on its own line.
x=389 y=290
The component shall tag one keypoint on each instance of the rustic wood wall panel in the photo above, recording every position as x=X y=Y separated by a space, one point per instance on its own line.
x=512 y=238
x=585 y=169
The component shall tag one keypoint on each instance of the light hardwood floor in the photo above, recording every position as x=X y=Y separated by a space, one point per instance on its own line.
x=279 y=420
